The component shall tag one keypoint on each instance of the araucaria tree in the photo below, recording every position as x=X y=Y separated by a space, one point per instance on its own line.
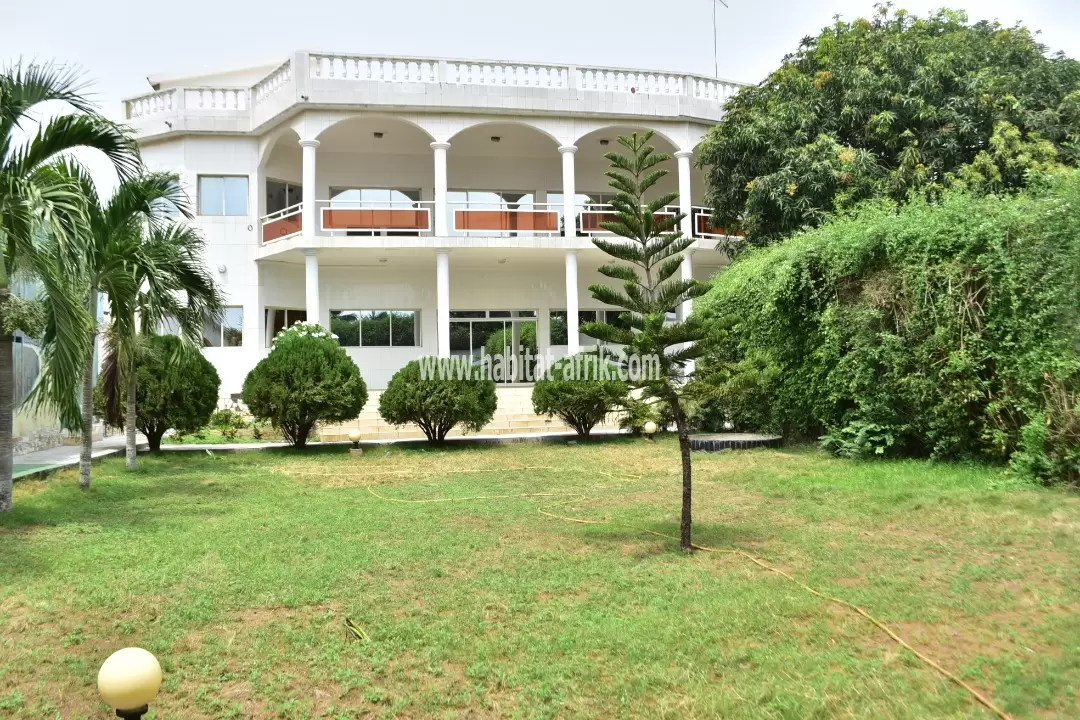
x=307 y=378
x=886 y=107
x=649 y=249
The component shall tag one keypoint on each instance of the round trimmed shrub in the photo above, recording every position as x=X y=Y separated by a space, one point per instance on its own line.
x=436 y=394
x=307 y=378
x=581 y=390
x=177 y=389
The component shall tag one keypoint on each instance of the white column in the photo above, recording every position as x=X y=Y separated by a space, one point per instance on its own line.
x=573 y=342
x=687 y=273
x=311 y=285
x=442 y=300
x=569 y=199
x=687 y=225
x=685 y=196
x=441 y=212
x=308 y=214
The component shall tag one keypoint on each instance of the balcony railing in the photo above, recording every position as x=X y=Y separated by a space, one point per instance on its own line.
x=294 y=75
x=591 y=216
x=703 y=227
x=477 y=218
x=283 y=223
x=375 y=217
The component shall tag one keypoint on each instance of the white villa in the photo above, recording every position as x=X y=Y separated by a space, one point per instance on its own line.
x=414 y=205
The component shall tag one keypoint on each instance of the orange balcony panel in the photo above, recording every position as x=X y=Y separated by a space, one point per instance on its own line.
x=376 y=219
x=506 y=220
x=590 y=221
x=705 y=227
x=281 y=227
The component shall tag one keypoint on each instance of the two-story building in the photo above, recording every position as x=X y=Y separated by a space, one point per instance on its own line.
x=415 y=206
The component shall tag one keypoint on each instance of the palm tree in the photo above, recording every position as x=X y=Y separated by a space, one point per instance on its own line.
x=113 y=263
x=172 y=287
x=42 y=216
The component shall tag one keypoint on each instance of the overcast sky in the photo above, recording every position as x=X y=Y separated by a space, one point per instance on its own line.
x=117 y=43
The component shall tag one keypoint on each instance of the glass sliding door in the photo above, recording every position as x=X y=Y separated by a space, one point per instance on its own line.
x=481 y=335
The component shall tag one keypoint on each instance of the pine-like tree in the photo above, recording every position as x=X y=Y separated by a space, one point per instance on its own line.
x=650 y=248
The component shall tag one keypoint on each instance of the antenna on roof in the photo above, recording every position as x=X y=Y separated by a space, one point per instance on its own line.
x=715 y=64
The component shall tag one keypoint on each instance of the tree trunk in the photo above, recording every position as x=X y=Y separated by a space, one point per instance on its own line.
x=687 y=502
x=7 y=414
x=129 y=421
x=88 y=400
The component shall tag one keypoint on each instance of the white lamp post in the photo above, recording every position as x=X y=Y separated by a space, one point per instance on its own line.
x=354 y=438
x=650 y=429
x=128 y=680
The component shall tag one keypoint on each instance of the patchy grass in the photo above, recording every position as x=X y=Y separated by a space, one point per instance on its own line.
x=238 y=572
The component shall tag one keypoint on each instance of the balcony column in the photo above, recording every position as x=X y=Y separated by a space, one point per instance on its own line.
x=687 y=224
x=441 y=211
x=573 y=342
x=569 y=201
x=308 y=213
x=311 y=285
x=442 y=300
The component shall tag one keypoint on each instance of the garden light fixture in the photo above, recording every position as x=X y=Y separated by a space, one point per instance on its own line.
x=650 y=429
x=128 y=680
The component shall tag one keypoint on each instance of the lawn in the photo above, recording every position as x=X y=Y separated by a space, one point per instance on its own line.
x=239 y=570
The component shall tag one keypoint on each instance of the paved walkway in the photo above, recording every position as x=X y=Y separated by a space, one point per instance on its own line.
x=42 y=462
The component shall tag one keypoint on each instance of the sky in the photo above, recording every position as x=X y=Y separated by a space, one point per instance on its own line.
x=117 y=43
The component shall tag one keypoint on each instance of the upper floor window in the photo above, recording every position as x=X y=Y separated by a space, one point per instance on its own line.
x=281 y=195
x=229 y=333
x=372 y=197
x=223 y=195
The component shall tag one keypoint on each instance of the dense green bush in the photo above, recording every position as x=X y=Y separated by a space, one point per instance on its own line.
x=936 y=330
x=307 y=378
x=581 y=390
x=435 y=400
x=176 y=389
x=229 y=422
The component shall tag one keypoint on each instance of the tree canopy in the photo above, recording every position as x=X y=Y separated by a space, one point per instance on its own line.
x=884 y=107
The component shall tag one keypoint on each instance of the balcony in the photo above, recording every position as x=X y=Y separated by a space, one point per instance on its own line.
x=376 y=218
x=315 y=79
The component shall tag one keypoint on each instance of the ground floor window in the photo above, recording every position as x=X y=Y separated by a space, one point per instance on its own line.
x=229 y=333
x=559 y=334
x=474 y=333
x=277 y=319
x=376 y=328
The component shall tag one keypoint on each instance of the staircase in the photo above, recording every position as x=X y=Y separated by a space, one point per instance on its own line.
x=514 y=415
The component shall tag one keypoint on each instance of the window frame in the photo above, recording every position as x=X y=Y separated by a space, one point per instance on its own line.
x=223 y=326
x=224 y=205
x=418 y=336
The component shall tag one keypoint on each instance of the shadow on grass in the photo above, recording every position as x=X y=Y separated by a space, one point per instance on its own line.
x=733 y=537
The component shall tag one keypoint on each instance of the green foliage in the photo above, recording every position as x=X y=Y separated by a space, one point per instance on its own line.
x=177 y=389
x=937 y=330
x=738 y=395
x=229 y=422
x=579 y=392
x=499 y=340
x=437 y=399
x=28 y=316
x=307 y=378
x=884 y=107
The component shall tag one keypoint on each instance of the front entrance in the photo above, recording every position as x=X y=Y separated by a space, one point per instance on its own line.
x=475 y=334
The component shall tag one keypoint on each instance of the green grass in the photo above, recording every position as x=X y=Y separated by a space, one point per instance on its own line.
x=238 y=572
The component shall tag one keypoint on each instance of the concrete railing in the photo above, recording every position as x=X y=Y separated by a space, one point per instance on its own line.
x=286 y=81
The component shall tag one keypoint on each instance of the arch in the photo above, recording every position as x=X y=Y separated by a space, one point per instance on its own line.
x=372 y=118
x=268 y=142
x=537 y=126
x=611 y=130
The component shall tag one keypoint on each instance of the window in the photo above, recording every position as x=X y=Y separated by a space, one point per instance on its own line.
x=559 y=334
x=376 y=328
x=391 y=197
x=281 y=195
x=277 y=319
x=230 y=333
x=223 y=195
